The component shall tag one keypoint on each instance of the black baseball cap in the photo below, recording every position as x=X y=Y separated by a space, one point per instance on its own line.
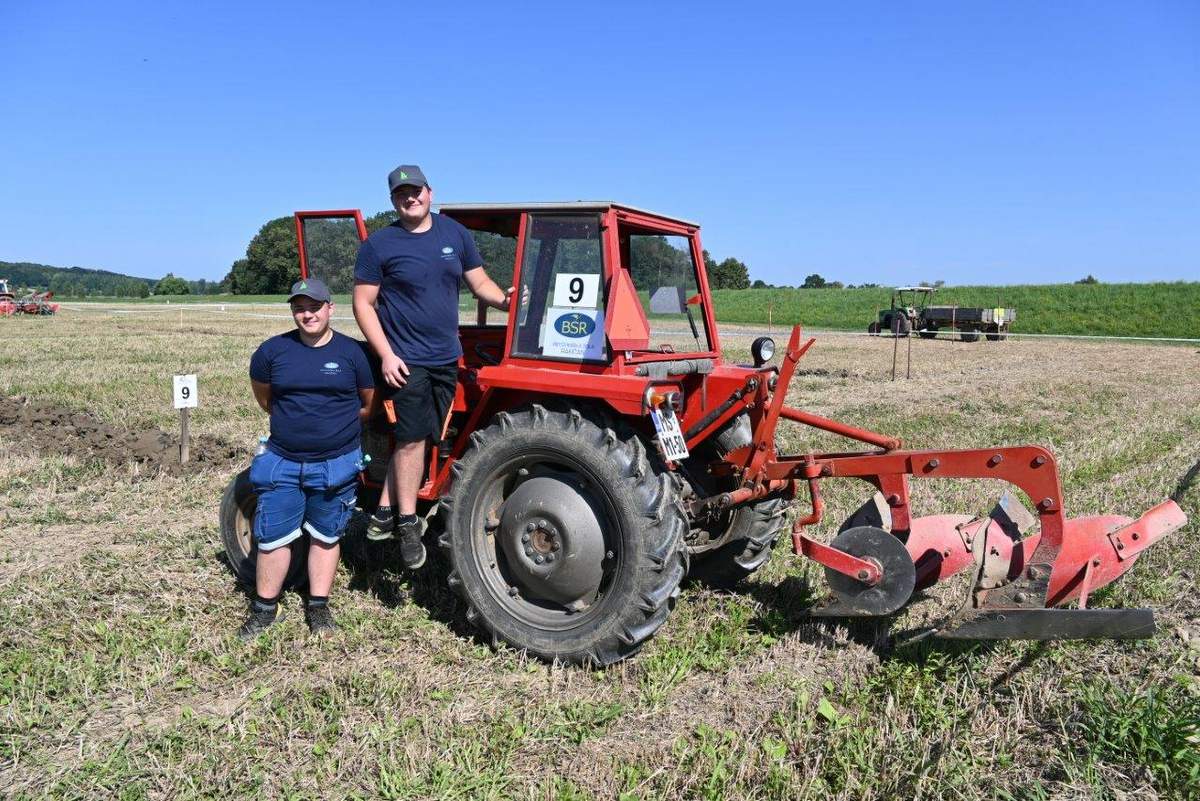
x=406 y=175
x=311 y=288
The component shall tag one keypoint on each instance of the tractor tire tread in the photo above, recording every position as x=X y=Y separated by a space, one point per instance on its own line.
x=660 y=565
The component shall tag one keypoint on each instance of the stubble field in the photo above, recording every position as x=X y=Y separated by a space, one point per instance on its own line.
x=121 y=677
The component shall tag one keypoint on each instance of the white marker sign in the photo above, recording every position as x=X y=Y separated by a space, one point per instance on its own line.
x=577 y=290
x=186 y=396
x=576 y=334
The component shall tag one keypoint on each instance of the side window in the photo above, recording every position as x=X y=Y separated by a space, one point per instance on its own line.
x=563 y=274
x=499 y=254
x=331 y=247
x=665 y=276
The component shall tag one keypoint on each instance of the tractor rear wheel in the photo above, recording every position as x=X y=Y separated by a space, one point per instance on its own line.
x=238 y=506
x=565 y=537
x=873 y=329
x=748 y=533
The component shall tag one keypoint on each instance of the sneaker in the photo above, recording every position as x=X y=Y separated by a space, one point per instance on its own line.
x=412 y=550
x=320 y=621
x=259 y=621
x=380 y=528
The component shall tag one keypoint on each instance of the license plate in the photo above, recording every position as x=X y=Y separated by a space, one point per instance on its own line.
x=670 y=438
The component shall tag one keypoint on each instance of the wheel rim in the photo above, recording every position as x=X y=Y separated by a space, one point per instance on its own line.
x=244 y=524
x=544 y=540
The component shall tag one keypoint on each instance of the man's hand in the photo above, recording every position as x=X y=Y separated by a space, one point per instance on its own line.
x=395 y=371
x=508 y=293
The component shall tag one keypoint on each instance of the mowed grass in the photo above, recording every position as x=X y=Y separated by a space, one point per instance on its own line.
x=120 y=676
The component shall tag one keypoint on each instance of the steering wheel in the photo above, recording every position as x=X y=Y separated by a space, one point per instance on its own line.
x=482 y=351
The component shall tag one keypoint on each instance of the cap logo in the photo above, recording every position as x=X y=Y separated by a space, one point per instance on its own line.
x=403 y=174
x=304 y=285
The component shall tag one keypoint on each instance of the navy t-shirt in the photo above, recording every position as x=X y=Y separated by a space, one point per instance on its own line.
x=314 y=394
x=418 y=277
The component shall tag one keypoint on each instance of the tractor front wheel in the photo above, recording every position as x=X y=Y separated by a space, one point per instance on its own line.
x=565 y=537
x=238 y=506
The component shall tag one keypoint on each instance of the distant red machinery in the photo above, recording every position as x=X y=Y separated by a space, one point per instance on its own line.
x=37 y=303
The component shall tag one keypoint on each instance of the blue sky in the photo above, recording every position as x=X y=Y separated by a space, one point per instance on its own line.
x=971 y=142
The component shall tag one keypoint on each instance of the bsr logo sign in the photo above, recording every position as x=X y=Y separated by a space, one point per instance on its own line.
x=576 y=326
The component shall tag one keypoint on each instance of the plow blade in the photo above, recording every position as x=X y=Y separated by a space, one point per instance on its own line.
x=942 y=546
x=1097 y=550
x=1055 y=624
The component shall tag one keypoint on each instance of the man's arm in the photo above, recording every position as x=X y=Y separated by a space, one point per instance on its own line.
x=262 y=394
x=484 y=288
x=393 y=367
x=367 y=396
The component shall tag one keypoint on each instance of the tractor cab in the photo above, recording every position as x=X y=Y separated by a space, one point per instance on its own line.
x=599 y=283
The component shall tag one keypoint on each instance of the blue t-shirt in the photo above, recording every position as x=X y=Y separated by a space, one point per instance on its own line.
x=418 y=277
x=314 y=394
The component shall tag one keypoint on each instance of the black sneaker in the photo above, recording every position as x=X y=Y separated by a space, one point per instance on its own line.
x=412 y=550
x=380 y=528
x=320 y=621
x=259 y=621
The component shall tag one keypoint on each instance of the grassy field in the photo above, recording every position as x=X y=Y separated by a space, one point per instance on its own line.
x=1133 y=310
x=120 y=676
x=1137 y=310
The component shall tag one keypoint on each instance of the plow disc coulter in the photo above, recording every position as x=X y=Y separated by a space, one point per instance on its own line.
x=600 y=450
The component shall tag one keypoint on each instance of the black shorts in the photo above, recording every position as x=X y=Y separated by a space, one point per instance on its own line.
x=423 y=404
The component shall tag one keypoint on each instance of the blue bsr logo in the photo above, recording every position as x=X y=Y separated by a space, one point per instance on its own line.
x=575 y=325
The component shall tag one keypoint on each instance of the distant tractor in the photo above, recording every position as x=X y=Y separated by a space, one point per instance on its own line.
x=910 y=311
x=8 y=305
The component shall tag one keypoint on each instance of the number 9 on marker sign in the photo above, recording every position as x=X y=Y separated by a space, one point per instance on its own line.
x=186 y=396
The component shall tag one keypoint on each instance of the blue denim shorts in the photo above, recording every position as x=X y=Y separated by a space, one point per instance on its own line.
x=316 y=498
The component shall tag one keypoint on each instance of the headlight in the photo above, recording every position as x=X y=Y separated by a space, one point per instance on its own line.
x=762 y=350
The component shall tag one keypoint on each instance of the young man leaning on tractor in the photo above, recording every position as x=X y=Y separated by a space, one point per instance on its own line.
x=317 y=386
x=406 y=283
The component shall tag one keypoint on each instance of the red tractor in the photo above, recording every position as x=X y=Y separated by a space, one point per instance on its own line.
x=600 y=450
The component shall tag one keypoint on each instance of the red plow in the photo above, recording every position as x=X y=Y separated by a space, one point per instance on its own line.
x=1026 y=566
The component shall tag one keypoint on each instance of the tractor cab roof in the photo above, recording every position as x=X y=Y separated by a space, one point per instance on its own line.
x=504 y=217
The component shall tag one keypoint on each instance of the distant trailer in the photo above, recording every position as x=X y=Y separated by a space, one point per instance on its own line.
x=910 y=311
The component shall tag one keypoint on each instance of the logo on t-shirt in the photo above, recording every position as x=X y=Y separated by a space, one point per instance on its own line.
x=330 y=368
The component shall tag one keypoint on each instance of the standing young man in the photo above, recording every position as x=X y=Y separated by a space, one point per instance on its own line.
x=316 y=384
x=406 y=285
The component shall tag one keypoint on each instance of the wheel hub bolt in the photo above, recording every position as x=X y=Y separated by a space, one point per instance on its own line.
x=513 y=592
x=539 y=559
x=549 y=557
x=554 y=546
x=531 y=526
x=525 y=538
x=862 y=575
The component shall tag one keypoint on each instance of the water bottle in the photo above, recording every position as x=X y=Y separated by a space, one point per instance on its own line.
x=262 y=446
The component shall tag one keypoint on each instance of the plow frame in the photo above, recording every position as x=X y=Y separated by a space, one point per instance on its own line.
x=1030 y=468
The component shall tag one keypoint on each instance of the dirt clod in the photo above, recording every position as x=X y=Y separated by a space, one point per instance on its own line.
x=57 y=430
